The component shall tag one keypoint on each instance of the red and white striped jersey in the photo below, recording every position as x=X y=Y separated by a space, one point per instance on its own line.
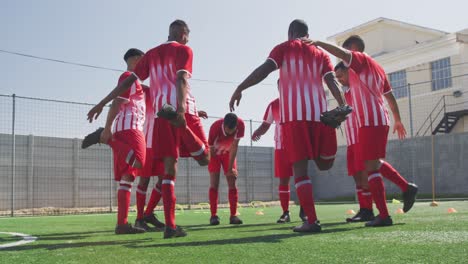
x=219 y=140
x=148 y=126
x=272 y=114
x=351 y=125
x=132 y=112
x=369 y=83
x=302 y=68
x=161 y=65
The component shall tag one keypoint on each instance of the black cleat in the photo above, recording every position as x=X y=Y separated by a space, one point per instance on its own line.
x=302 y=215
x=364 y=215
x=234 y=220
x=308 y=228
x=377 y=222
x=167 y=112
x=214 y=220
x=284 y=218
x=128 y=229
x=152 y=219
x=409 y=197
x=93 y=138
x=177 y=232
x=140 y=223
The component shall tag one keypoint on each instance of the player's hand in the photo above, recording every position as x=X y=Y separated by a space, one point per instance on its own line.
x=231 y=173
x=256 y=136
x=309 y=41
x=202 y=114
x=400 y=129
x=179 y=121
x=106 y=135
x=235 y=99
x=94 y=112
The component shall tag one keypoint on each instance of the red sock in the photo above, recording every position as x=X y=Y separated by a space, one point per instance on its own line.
x=213 y=195
x=392 y=175
x=140 y=201
x=306 y=198
x=169 y=200
x=154 y=199
x=284 y=196
x=377 y=189
x=364 y=197
x=233 y=198
x=123 y=202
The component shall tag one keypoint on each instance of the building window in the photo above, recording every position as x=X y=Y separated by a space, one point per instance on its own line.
x=398 y=83
x=441 y=74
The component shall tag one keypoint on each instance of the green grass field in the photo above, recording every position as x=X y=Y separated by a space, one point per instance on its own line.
x=424 y=235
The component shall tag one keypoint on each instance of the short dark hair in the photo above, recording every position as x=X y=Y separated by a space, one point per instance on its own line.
x=299 y=28
x=230 y=120
x=178 y=23
x=354 y=39
x=132 y=52
x=340 y=66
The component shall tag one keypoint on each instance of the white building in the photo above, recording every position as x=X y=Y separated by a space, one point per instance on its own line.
x=433 y=62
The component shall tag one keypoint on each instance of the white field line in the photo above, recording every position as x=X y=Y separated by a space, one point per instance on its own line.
x=26 y=239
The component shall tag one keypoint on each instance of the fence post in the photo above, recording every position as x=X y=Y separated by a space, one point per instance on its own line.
x=75 y=160
x=189 y=182
x=410 y=109
x=251 y=142
x=13 y=156
x=111 y=179
x=272 y=174
x=246 y=162
x=30 y=171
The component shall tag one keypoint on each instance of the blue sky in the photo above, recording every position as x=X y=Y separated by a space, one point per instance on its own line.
x=229 y=39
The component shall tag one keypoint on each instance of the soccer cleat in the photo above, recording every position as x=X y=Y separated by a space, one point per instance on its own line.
x=214 y=220
x=284 y=218
x=152 y=219
x=308 y=228
x=128 y=229
x=409 y=197
x=140 y=223
x=168 y=112
x=302 y=215
x=93 y=138
x=234 y=220
x=364 y=215
x=380 y=222
x=177 y=232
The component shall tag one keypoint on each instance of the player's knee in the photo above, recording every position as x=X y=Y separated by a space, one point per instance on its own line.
x=137 y=164
x=203 y=161
x=325 y=165
x=143 y=182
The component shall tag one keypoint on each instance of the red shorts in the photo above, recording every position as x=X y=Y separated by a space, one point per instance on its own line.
x=127 y=147
x=195 y=125
x=373 y=142
x=217 y=161
x=309 y=140
x=283 y=168
x=354 y=160
x=152 y=166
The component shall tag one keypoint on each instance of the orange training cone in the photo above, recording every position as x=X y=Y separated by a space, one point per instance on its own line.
x=399 y=211
x=451 y=210
x=350 y=212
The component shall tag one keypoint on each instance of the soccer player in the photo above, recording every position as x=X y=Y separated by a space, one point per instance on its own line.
x=123 y=133
x=369 y=85
x=169 y=66
x=152 y=168
x=302 y=69
x=223 y=139
x=283 y=169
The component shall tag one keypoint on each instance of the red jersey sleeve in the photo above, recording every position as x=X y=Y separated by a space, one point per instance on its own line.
x=184 y=59
x=126 y=94
x=268 y=116
x=213 y=133
x=358 y=61
x=327 y=66
x=277 y=55
x=142 y=69
x=240 y=129
x=387 y=88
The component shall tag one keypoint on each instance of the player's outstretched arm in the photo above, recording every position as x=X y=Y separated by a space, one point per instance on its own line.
x=254 y=78
x=113 y=111
x=398 y=126
x=333 y=86
x=181 y=90
x=261 y=130
x=336 y=51
x=232 y=158
x=121 y=88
